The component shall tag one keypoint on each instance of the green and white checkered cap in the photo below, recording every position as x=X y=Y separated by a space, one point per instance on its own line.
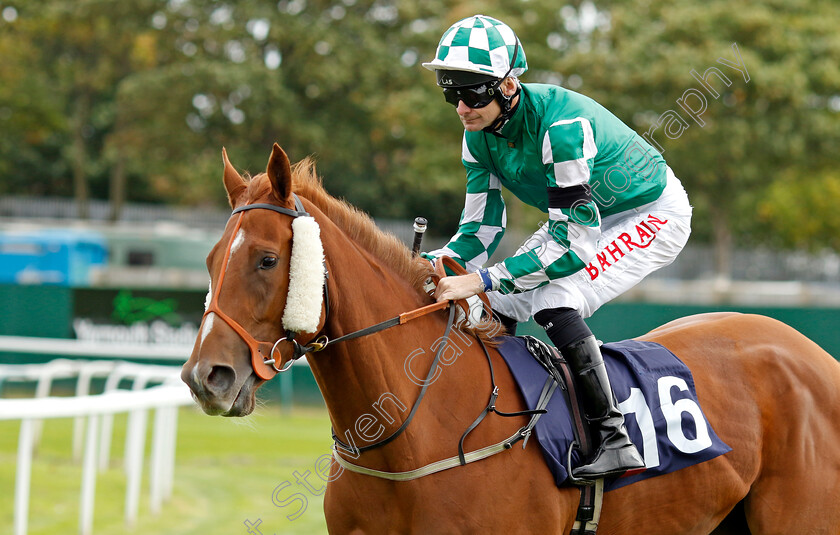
x=479 y=44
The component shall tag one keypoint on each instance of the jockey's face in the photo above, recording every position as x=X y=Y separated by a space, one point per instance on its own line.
x=476 y=119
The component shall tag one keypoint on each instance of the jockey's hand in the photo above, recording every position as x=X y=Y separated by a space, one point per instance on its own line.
x=459 y=287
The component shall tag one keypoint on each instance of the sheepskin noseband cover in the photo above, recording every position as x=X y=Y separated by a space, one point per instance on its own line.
x=306 y=277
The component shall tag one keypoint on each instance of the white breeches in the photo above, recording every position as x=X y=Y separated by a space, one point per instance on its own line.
x=632 y=245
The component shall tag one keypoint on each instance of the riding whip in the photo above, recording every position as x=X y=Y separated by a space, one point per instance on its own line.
x=419 y=229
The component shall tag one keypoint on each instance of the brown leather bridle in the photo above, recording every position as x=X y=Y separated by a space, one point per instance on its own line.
x=265 y=355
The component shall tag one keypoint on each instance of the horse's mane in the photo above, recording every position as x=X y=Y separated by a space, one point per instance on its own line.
x=361 y=228
x=358 y=226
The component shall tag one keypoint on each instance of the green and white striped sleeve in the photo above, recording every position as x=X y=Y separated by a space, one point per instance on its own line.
x=564 y=244
x=483 y=220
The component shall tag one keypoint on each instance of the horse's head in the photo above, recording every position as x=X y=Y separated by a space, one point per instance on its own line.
x=253 y=310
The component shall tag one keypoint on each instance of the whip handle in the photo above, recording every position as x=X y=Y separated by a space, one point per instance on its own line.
x=419 y=229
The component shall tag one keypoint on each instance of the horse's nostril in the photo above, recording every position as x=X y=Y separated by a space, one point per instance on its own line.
x=220 y=379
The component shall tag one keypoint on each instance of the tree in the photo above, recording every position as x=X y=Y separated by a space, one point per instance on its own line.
x=135 y=99
x=65 y=59
x=768 y=112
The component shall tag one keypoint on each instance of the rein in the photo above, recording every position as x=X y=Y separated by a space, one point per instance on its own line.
x=462 y=458
x=264 y=357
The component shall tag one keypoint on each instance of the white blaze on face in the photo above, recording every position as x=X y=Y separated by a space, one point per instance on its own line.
x=207 y=327
x=208 y=320
x=209 y=297
x=237 y=243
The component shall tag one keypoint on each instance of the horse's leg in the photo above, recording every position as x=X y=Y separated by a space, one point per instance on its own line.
x=692 y=501
x=798 y=389
x=735 y=523
x=799 y=487
x=801 y=498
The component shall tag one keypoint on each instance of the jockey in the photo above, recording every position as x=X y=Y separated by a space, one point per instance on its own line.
x=616 y=212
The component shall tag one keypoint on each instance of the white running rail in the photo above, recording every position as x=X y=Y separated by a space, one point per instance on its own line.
x=165 y=399
x=98 y=411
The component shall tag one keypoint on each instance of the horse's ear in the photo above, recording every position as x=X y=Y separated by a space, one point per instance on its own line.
x=234 y=183
x=279 y=173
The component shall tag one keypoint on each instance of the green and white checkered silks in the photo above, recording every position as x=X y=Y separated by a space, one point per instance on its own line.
x=482 y=45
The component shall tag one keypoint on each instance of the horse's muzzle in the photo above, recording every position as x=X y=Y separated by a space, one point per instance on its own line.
x=218 y=390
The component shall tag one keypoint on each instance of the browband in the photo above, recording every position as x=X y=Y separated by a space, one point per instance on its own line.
x=297 y=212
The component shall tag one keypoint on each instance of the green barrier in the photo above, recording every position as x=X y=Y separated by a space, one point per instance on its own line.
x=49 y=311
x=41 y=311
x=619 y=321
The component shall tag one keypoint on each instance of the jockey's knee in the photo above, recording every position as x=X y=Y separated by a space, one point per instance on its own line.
x=564 y=326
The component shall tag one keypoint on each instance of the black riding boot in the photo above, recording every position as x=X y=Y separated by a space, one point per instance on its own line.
x=616 y=453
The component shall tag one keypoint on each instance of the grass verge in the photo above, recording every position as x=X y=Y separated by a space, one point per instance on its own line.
x=226 y=471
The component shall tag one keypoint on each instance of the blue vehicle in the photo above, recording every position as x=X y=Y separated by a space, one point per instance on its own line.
x=55 y=257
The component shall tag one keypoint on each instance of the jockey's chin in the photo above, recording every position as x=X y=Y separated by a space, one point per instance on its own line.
x=476 y=119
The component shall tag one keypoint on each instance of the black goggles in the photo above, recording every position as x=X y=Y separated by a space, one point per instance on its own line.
x=477 y=96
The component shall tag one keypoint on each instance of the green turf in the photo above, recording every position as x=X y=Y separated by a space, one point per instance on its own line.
x=226 y=471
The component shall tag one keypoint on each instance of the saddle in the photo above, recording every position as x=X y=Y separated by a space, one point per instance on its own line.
x=656 y=393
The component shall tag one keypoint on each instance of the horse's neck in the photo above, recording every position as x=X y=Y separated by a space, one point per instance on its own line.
x=364 y=292
x=370 y=383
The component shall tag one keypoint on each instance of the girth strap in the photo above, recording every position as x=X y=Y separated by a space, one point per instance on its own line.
x=591 y=493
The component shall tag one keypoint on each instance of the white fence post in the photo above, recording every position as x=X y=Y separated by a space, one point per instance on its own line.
x=136 y=437
x=164 y=399
x=23 y=477
x=89 y=477
x=88 y=371
x=98 y=411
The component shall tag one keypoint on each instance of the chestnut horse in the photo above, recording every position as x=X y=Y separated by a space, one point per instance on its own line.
x=769 y=392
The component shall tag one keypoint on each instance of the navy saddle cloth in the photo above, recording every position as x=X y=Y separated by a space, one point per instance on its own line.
x=655 y=391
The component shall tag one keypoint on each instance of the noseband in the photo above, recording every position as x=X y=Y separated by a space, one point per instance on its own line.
x=264 y=355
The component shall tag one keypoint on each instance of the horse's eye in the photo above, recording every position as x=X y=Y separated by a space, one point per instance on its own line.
x=268 y=262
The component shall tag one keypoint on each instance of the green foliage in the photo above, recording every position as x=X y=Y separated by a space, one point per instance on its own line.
x=802 y=211
x=782 y=121
x=160 y=86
